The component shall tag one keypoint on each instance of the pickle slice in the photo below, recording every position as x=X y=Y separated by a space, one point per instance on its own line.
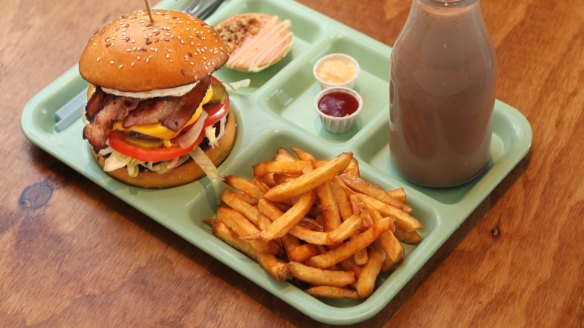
x=219 y=94
x=143 y=141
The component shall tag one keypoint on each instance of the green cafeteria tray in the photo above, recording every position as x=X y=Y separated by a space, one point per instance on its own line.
x=276 y=111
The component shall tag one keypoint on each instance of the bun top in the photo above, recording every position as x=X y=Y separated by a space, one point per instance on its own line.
x=133 y=54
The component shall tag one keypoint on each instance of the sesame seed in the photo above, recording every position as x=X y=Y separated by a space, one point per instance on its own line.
x=112 y=62
x=98 y=59
x=132 y=64
x=121 y=66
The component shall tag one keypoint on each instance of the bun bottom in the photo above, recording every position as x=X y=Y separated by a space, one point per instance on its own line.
x=183 y=174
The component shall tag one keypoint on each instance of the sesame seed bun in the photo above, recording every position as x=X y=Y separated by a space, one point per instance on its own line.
x=185 y=173
x=132 y=54
x=256 y=40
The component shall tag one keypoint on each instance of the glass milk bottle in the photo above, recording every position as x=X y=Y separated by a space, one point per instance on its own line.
x=442 y=92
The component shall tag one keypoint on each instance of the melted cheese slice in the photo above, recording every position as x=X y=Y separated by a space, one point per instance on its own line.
x=158 y=130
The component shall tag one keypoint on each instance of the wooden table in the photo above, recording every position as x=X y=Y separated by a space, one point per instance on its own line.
x=73 y=255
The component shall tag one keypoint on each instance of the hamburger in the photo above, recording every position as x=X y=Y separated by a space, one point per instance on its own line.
x=153 y=104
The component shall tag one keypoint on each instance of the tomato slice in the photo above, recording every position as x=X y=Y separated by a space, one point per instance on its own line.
x=119 y=144
x=216 y=112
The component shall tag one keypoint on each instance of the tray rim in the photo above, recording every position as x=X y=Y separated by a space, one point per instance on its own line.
x=326 y=314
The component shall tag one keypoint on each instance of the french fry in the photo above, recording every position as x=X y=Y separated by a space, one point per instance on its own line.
x=268 y=180
x=247 y=198
x=268 y=209
x=290 y=243
x=284 y=156
x=353 y=168
x=303 y=155
x=348 y=228
x=311 y=224
x=349 y=264
x=342 y=199
x=244 y=186
x=310 y=180
x=310 y=236
x=328 y=206
x=394 y=251
x=243 y=228
x=367 y=188
x=347 y=249
x=403 y=220
x=408 y=237
x=288 y=220
x=332 y=292
x=398 y=194
x=279 y=167
x=250 y=212
x=319 y=276
x=360 y=256
x=368 y=276
x=236 y=222
x=273 y=213
x=261 y=184
x=275 y=268
x=302 y=252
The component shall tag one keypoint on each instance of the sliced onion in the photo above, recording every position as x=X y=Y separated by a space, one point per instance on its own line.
x=205 y=163
x=193 y=133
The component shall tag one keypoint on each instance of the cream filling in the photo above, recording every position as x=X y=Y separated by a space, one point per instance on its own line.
x=170 y=92
x=271 y=42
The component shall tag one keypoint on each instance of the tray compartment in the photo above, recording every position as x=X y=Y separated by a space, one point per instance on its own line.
x=265 y=149
x=306 y=33
x=375 y=151
x=293 y=98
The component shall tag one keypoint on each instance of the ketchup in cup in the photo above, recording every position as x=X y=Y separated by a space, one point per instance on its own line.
x=338 y=104
x=338 y=108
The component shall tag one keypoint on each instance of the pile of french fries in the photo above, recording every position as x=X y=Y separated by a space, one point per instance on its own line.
x=316 y=222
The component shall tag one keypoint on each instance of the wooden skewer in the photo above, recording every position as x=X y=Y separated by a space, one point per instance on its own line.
x=149 y=10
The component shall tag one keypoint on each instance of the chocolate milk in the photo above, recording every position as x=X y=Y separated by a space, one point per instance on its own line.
x=442 y=91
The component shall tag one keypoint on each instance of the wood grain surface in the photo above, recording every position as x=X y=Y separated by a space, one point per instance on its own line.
x=72 y=255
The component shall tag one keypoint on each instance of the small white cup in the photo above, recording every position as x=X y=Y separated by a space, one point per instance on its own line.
x=338 y=124
x=350 y=83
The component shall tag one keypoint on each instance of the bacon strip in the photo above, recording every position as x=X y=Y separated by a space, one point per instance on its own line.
x=114 y=109
x=187 y=106
x=150 y=111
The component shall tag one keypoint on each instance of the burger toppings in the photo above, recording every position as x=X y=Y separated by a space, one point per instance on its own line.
x=158 y=148
x=172 y=113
